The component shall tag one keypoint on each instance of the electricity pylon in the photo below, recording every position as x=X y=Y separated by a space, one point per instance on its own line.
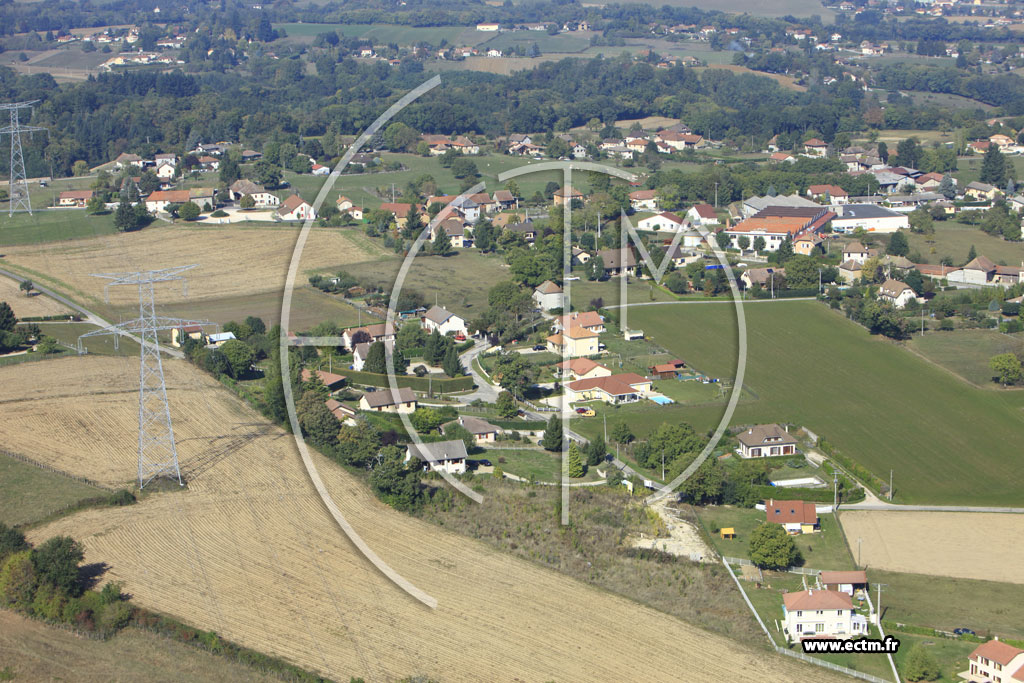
x=19 y=183
x=157 y=452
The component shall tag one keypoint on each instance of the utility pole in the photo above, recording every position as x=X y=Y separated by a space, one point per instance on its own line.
x=835 y=491
x=819 y=280
x=18 y=183
x=716 y=194
x=605 y=428
x=858 y=551
x=890 y=485
x=158 y=454
x=773 y=284
x=878 y=605
x=599 y=225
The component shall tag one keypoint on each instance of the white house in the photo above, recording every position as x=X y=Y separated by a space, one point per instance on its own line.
x=320 y=169
x=627 y=387
x=242 y=187
x=855 y=251
x=995 y=661
x=644 y=200
x=815 y=148
x=796 y=516
x=483 y=431
x=438 y=318
x=821 y=614
x=295 y=208
x=446 y=456
x=549 y=296
x=665 y=220
x=161 y=199
x=762 y=441
x=377 y=332
x=362 y=351
x=702 y=214
x=386 y=401
x=165 y=170
x=895 y=292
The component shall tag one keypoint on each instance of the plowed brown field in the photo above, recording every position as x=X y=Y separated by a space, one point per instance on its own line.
x=249 y=550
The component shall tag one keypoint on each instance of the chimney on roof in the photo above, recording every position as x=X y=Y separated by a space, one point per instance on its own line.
x=750 y=431
x=786 y=426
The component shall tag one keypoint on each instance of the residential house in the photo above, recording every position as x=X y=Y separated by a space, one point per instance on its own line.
x=440 y=456
x=165 y=171
x=387 y=401
x=855 y=251
x=209 y=164
x=981 y=191
x=848 y=582
x=764 y=277
x=549 y=296
x=702 y=214
x=815 y=613
x=331 y=380
x=764 y=441
x=1000 y=140
x=666 y=221
x=506 y=200
x=295 y=208
x=576 y=341
x=782 y=157
x=994 y=662
x=320 y=170
x=343 y=203
x=627 y=387
x=679 y=140
x=340 y=411
x=457 y=232
x=563 y=196
x=444 y=321
x=588 y=320
x=896 y=293
x=362 y=351
x=76 y=198
x=643 y=200
x=242 y=187
x=524 y=228
x=850 y=271
x=815 y=148
x=400 y=210
x=161 y=199
x=871 y=217
x=179 y=334
x=808 y=243
x=127 y=159
x=483 y=432
x=377 y=332
x=579 y=256
x=581 y=368
x=982 y=271
x=829 y=194
x=251 y=155
x=614 y=263
x=796 y=516
x=203 y=197
x=931 y=181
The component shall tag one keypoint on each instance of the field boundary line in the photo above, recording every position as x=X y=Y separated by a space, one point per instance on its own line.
x=48 y=468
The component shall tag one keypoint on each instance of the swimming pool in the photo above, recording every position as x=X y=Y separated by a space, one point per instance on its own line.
x=662 y=400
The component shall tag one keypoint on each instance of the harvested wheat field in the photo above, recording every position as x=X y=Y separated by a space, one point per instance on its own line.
x=968 y=545
x=28 y=306
x=249 y=551
x=232 y=260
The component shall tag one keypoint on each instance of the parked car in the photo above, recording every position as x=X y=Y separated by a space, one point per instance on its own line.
x=586 y=412
x=964 y=632
x=484 y=463
x=539 y=347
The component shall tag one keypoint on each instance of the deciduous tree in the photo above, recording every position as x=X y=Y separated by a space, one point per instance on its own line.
x=772 y=548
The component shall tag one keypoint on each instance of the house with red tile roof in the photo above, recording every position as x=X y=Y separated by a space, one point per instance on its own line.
x=627 y=387
x=816 y=613
x=702 y=214
x=995 y=661
x=295 y=208
x=796 y=516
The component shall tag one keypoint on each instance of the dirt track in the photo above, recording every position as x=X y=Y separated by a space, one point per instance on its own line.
x=249 y=551
x=969 y=545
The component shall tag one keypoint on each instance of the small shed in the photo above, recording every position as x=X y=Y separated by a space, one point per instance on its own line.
x=727 y=532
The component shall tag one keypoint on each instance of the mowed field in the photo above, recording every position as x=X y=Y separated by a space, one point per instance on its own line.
x=28 y=306
x=36 y=652
x=881 y=405
x=232 y=260
x=967 y=352
x=249 y=551
x=956 y=239
x=968 y=545
x=778 y=8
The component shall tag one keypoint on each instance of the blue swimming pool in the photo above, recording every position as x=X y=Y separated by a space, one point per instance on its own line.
x=662 y=400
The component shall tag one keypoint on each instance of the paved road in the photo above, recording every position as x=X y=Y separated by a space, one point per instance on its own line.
x=90 y=317
x=485 y=391
x=720 y=301
x=891 y=507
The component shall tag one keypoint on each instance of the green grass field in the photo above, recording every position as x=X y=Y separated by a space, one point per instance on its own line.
x=969 y=168
x=967 y=352
x=955 y=240
x=798 y=8
x=28 y=493
x=880 y=405
x=539 y=464
x=559 y=43
x=825 y=550
x=52 y=226
x=68 y=333
x=987 y=607
x=309 y=307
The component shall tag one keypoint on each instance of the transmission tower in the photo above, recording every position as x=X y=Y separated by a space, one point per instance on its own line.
x=19 y=183
x=157 y=452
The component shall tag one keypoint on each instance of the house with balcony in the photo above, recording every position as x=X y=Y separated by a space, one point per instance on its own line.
x=815 y=613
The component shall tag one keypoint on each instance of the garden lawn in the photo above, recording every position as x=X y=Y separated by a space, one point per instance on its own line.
x=824 y=550
x=28 y=493
x=955 y=240
x=879 y=404
x=967 y=352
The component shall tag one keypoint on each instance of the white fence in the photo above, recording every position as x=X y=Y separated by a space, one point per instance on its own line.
x=792 y=570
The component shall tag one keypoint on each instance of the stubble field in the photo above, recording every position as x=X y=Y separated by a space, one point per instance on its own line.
x=28 y=306
x=248 y=550
x=968 y=545
x=232 y=260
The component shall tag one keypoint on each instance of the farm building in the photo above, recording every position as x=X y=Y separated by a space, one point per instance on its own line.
x=669 y=370
x=179 y=334
x=440 y=456
x=870 y=217
x=796 y=516
x=762 y=441
x=848 y=582
x=217 y=339
x=386 y=401
x=821 y=614
x=775 y=224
